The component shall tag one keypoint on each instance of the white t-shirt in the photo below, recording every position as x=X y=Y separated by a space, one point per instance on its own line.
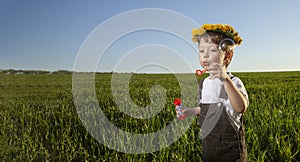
x=211 y=90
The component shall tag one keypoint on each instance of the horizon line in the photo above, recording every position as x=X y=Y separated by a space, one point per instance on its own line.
x=61 y=70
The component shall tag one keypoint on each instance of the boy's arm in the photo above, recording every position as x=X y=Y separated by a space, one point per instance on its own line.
x=236 y=98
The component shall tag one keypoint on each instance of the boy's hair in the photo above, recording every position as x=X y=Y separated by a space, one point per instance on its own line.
x=216 y=38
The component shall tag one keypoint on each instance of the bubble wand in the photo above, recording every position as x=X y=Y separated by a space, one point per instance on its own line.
x=200 y=72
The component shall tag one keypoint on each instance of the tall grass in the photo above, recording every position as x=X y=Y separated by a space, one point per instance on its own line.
x=39 y=122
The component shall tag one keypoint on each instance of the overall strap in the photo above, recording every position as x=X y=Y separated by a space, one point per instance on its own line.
x=200 y=88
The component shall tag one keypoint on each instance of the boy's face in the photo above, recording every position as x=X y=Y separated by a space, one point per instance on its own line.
x=209 y=54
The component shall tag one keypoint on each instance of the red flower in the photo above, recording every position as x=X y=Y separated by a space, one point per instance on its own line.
x=177 y=102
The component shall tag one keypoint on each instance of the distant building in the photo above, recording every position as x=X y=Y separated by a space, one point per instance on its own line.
x=20 y=73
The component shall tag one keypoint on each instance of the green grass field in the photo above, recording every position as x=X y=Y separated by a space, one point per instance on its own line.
x=39 y=122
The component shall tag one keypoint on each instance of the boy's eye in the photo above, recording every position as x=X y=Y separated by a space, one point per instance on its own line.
x=213 y=49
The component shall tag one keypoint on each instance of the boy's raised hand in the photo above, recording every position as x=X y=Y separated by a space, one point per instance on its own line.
x=217 y=71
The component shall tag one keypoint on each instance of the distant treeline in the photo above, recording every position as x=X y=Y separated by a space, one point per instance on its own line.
x=12 y=71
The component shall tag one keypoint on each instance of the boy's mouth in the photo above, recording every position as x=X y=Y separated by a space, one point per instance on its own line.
x=205 y=63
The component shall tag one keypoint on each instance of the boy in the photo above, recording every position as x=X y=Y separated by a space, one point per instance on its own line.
x=223 y=97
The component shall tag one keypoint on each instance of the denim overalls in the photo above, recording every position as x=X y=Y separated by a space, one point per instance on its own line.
x=221 y=141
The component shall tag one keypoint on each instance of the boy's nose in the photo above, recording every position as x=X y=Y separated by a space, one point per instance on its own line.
x=205 y=55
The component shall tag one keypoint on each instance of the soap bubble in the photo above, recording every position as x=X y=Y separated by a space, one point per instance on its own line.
x=226 y=45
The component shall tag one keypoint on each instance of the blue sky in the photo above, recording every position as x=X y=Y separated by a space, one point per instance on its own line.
x=47 y=35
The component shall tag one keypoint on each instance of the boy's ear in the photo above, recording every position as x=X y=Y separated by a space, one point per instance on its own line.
x=227 y=58
x=228 y=54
